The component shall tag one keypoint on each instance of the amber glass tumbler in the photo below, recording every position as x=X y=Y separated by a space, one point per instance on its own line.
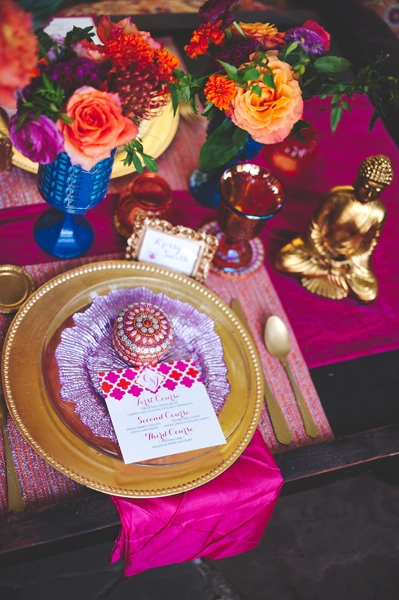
x=250 y=196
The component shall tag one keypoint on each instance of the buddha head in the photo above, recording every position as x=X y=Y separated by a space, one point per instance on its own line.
x=373 y=176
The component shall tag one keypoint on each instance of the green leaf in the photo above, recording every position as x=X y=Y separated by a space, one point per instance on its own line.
x=175 y=96
x=66 y=119
x=44 y=40
x=230 y=70
x=336 y=114
x=78 y=34
x=256 y=90
x=47 y=82
x=150 y=163
x=137 y=163
x=249 y=74
x=331 y=64
x=345 y=105
x=268 y=80
x=21 y=120
x=239 y=138
x=374 y=118
x=218 y=148
x=210 y=111
x=297 y=129
x=290 y=48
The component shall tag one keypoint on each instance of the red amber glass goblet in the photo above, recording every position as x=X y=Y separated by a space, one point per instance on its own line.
x=147 y=194
x=249 y=196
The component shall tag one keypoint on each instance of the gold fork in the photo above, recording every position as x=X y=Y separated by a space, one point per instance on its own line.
x=15 y=500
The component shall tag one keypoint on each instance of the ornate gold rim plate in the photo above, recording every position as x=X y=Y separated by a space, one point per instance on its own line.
x=34 y=415
x=156 y=135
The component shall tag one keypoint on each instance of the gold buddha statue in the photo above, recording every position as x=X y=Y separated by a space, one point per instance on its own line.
x=333 y=257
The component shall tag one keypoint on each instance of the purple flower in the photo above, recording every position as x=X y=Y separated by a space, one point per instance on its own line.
x=76 y=73
x=308 y=40
x=235 y=55
x=41 y=141
x=217 y=10
x=71 y=75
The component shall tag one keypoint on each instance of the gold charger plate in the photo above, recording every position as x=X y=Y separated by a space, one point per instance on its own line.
x=156 y=135
x=32 y=410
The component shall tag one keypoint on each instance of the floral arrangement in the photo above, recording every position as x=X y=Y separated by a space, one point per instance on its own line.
x=79 y=97
x=257 y=79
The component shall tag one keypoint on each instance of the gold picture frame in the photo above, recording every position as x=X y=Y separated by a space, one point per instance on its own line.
x=176 y=247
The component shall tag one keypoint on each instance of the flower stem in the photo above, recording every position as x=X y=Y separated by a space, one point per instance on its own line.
x=240 y=31
x=44 y=53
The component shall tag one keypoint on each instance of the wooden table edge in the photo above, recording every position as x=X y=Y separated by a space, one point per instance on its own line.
x=93 y=518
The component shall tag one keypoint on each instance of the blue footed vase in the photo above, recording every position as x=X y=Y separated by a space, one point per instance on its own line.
x=63 y=231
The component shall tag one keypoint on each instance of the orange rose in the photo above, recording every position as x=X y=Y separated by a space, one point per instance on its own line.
x=98 y=126
x=269 y=118
x=18 y=51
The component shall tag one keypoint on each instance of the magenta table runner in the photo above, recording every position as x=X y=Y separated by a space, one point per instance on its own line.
x=327 y=331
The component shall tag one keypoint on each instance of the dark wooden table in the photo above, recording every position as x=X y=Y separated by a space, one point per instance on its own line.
x=360 y=398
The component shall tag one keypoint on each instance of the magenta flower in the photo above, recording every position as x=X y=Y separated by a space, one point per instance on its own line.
x=217 y=10
x=41 y=141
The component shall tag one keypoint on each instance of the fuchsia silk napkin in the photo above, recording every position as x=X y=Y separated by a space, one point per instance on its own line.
x=222 y=518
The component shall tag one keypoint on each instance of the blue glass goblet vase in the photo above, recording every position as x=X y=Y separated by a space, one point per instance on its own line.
x=63 y=231
x=204 y=185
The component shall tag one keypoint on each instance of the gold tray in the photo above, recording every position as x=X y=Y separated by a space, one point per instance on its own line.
x=36 y=324
x=156 y=135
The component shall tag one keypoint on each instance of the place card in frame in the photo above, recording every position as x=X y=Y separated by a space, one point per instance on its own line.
x=173 y=246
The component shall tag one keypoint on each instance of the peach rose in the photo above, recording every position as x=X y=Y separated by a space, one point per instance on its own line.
x=98 y=126
x=18 y=51
x=265 y=33
x=269 y=118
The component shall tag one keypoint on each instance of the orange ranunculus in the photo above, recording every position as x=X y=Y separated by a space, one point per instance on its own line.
x=220 y=91
x=202 y=37
x=265 y=33
x=18 y=51
x=166 y=63
x=269 y=118
x=98 y=126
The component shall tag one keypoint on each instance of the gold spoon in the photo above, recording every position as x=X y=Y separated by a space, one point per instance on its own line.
x=280 y=425
x=278 y=345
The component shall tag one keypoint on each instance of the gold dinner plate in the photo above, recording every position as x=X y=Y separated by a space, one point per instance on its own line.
x=156 y=136
x=31 y=406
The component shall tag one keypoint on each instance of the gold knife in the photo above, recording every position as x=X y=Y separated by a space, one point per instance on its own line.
x=16 y=502
x=279 y=423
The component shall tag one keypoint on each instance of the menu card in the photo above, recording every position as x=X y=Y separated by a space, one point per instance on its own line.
x=160 y=410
